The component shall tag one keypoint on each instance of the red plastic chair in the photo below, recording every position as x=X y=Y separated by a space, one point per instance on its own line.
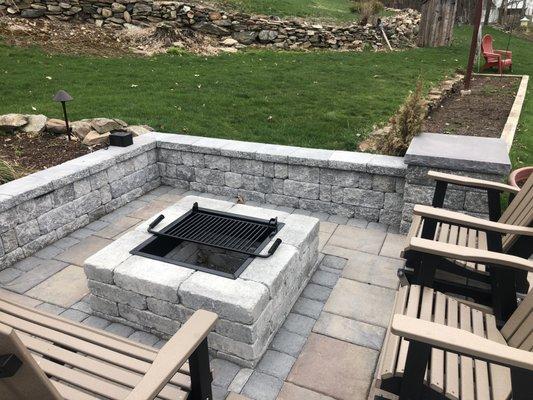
x=495 y=58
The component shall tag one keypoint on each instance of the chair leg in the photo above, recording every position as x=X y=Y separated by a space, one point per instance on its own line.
x=415 y=369
x=200 y=371
x=522 y=383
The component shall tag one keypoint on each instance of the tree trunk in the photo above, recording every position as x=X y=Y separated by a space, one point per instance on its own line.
x=436 y=23
x=488 y=8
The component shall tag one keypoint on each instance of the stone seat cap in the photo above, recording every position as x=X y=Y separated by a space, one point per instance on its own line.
x=457 y=152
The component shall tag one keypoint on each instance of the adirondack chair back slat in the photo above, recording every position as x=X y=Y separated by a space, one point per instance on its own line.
x=518 y=330
x=519 y=212
x=486 y=44
x=29 y=382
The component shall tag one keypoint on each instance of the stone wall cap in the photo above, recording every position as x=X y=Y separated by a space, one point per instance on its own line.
x=455 y=152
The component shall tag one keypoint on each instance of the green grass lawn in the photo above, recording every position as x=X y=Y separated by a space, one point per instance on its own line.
x=316 y=99
x=323 y=9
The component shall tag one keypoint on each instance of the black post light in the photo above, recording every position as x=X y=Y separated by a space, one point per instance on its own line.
x=62 y=97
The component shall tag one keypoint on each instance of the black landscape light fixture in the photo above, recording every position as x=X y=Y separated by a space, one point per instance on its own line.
x=62 y=97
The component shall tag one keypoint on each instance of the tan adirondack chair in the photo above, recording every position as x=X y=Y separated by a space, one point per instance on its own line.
x=440 y=347
x=44 y=357
x=510 y=234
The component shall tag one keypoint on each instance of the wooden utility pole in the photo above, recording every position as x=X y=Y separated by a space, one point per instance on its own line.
x=473 y=44
x=436 y=23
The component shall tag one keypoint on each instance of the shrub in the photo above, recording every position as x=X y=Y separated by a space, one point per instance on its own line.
x=405 y=124
x=7 y=173
x=367 y=8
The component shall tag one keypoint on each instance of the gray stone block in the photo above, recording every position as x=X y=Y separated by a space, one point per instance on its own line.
x=50 y=308
x=262 y=386
x=324 y=279
x=299 y=324
x=386 y=165
x=310 y=157
x=263 y=184
x=120 y=329
x=393 y=202
x=116 y=294
x=349 y=160
x=96 y=322
x=217 y=162
x=238 y=300
x=144 y=338
x=193 y=159
x=288 y=342
x=365 y=198
x=161 y=280
x=148 y=319
x=383 y=183
x=282 y=200
x=369 y=214
x=276 y=364
x=251 y=167
x=325 y=193
x=303 y=173
x=456 y=153
x=307 y=307
x=316 y=292
x=9 y=240
x=27 y=232
x=339 y=177
x=74 y=315
x=281 y=171
x=9 y=274
x=170 y=310
x=223 y=372
x=333 y=262
x=57 y=217
x=82 y=187
x=103 y=306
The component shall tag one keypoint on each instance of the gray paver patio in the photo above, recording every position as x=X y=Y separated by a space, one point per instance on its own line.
x=326 y=348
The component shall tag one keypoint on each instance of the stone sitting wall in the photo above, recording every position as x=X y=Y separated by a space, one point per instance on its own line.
x=401 y=28
x=43 y=207
x=48 y=205
x=350 y=184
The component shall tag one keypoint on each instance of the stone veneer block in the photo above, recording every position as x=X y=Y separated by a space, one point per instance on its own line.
x=464 y=153
x=158 y=296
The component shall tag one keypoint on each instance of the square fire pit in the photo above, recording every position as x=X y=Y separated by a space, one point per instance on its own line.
x=247 y=264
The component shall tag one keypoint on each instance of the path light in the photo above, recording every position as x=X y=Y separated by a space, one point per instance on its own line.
x=62 y=97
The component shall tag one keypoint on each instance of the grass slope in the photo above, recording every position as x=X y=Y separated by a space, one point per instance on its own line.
x=316 y=99
x=323 y=9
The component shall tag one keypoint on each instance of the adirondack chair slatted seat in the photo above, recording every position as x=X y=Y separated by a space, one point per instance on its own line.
x=509 y=233
x=441 y=347
x=61 y=359
x=500 y=59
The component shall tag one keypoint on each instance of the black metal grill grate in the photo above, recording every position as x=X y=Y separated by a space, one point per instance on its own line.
x=222 y=230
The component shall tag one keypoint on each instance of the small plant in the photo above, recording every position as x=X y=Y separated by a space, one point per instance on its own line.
x=405 y=124
x=7 y=173
x=367 y=9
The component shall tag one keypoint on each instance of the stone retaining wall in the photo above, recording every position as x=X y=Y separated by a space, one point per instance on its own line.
x=46 y=206
x=401 y=28
x=354 y=185
x=43 y=207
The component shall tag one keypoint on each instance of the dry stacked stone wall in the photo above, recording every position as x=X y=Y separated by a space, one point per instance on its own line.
x=401 y=28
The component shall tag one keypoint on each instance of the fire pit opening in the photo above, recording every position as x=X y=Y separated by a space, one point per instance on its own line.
x=215 y=242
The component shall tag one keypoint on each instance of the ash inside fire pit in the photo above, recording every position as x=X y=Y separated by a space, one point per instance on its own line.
x=195 y=256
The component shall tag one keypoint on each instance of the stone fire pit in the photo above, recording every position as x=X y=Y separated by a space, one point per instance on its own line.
x=158 y=297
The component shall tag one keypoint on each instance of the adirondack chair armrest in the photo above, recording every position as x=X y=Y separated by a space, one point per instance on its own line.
x=456 y=252
x=461 y=342
x=174 y=354
x=472 y=182
x=468 y=221
x=506 y=53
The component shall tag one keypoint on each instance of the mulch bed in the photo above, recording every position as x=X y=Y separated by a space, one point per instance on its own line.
x=28 y=153
x=482 y=113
